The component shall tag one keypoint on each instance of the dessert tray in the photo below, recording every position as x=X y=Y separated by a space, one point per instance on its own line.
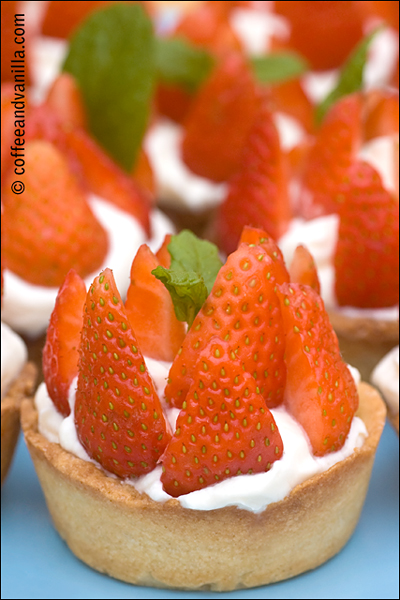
x=36 y=563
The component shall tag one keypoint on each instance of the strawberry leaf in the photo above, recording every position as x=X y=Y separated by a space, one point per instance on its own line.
x=179 y=62
x=278 y=67
x=194 y=267
x=351 y=76
x=112 y=57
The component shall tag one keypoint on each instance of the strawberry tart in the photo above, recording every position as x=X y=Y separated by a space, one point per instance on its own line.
x=17 y=382
x=253 y=432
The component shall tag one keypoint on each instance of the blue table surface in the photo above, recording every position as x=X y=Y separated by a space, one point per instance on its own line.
x=36 y=563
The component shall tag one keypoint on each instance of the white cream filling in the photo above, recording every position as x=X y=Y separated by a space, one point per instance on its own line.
x=177 y=184
x=13 y=357
x=27 y=308
x=255 y=28
x=249 y=492
x=385 y=376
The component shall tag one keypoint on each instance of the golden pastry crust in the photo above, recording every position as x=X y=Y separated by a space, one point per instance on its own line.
x=364 y=341
x=116 y=530
x=10 y=414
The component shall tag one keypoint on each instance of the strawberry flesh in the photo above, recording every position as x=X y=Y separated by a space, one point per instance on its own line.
x=118 y=416
x=224 y=428
x=244 y=309
x=60 y=352
x=320 y=391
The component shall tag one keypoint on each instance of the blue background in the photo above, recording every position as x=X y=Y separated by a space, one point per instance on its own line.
x=36 y=563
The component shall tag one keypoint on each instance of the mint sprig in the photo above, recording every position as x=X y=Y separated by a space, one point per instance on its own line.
x=112 y=57
x=180 y=63
x=351 y=76
x=194 y=267
x=279 y=67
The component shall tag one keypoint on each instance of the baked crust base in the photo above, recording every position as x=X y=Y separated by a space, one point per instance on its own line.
x=364 y=342
x=10 y=414
x=116 y=530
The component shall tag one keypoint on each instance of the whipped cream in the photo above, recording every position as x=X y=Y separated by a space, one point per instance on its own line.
x=13 y=357
x=249 y=492
x=257 y=28
x=177 y=184
x=385 y=376
x=320 y=236
x=383 y=154
x=27 y=307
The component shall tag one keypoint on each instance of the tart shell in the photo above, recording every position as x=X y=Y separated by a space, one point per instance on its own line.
x=10 y=414
x=116 y=530
x=364 y=342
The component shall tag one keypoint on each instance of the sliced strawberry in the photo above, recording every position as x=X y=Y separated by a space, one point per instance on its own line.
x=224 y=428
x=381 y=113
x=49 y=228
x=388 y=10
x=207 y=28
x=303 y=270
x=323 y=32
x=320 y=391
x=290 y=98
x=220 y=119
x=173 y=102
x=65 y=98
x=107 y=180
x=162 y=254
x=367 y=253
x=259 y=237
x=60 y=352
x=150 y=310
x=336 y=145
x=243 y=309
x=143 y=174
x=118 y=415
x=94 y=168
x=258 y=192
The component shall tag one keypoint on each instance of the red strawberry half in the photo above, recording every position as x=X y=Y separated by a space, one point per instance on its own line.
x=258 y=192
x=335 y=147
x=118 y=415
x=49 y=228
x=60 y=352
x=220 y=119
x=320 y=392
x=303 y=270
x=151 y=311
x=243 y=309
x=367 y=253
x=224 y=428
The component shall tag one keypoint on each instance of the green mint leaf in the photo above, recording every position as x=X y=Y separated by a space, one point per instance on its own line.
x=112 y=57
x=278 y=67
x=194 y=267
x=188 y=292
x=189 y=253
x=181 y=63
x=351 y=76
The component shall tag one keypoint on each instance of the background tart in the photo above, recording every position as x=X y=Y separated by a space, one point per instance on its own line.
x=22 y=387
